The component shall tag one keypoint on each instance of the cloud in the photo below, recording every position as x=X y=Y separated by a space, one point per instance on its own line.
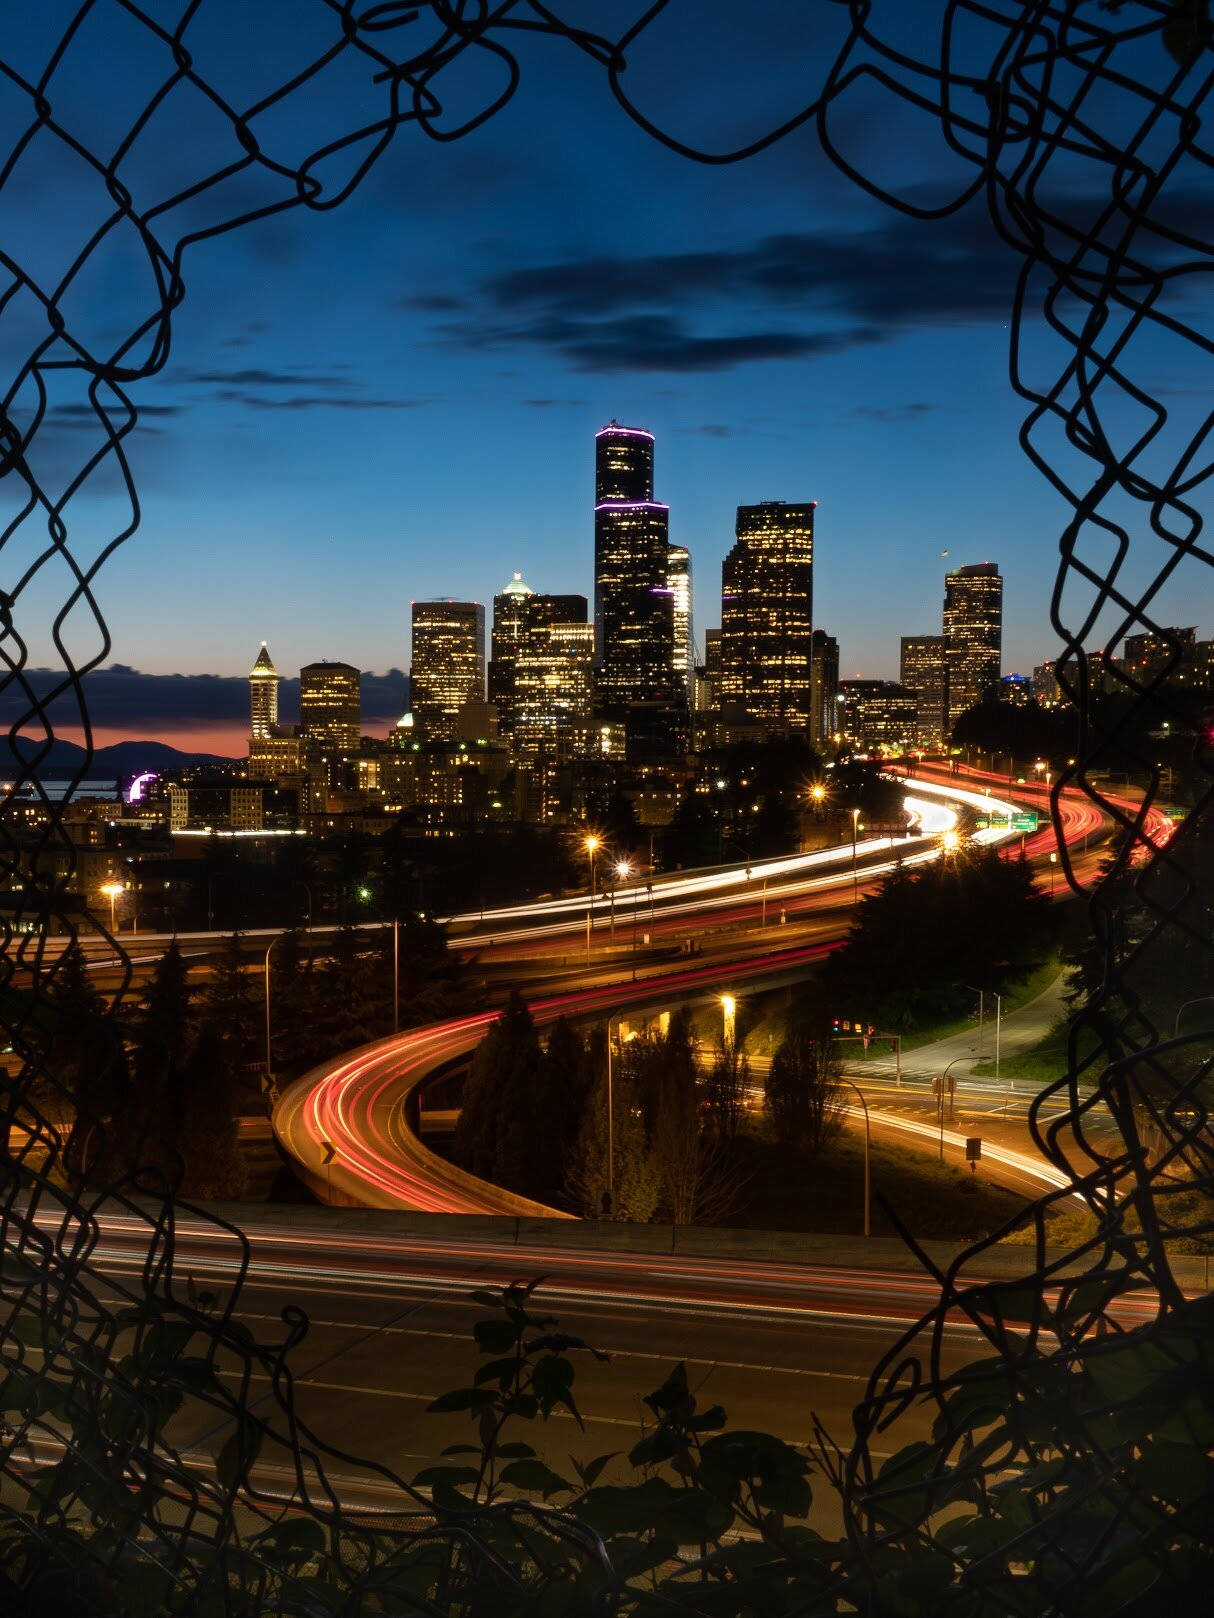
x=68 y=414
x=257 y=378
x=547 y=404
x=141 y=705
x=898 y=412
x=789 y=296
x=256 y=401
x=712 y=429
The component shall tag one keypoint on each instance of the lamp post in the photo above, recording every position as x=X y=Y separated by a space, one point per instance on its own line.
x=111 y=891
x=269 y=1061
x=622 y=869
x=855 y=876
x=1184 y=1006
x=614 y=1017
x=867 y=1147
x=729 y=1008
x=981 y=1007
x=591 y=846
x=998 y=999
x=940 y=1098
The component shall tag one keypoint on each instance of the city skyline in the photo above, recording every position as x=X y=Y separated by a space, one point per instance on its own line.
x=782 y=334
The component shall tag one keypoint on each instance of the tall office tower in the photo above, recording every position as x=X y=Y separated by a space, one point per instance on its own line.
x=824 y=688
x=767 y=615
x=330 y=708
x=509 y=606
x=973 y=635
x=554 y=689
x=922 y=672
x=448 y=664
x=678 y=581
x=633 y=612
x=263 y=696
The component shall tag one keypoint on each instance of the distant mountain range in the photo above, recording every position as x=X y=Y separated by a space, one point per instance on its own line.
x=107 y=763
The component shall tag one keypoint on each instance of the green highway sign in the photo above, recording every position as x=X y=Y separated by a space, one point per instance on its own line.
x=1026 y=820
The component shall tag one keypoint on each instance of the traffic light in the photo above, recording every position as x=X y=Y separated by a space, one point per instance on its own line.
x=834 y=1025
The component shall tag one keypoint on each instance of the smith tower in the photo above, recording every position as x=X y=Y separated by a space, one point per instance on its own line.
x=633 y=608
x=263 y=696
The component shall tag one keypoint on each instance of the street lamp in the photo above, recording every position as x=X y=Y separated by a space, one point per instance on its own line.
x=855 y=877
x=981 y=1008
x=111 y=891
x=622 y=869
x=614 y=1017
x=867 y=1148
x=940 y=1098
x=729 y=1007
x=269 y=1061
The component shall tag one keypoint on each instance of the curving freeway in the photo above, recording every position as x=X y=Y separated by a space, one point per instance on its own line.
x=346 y=1123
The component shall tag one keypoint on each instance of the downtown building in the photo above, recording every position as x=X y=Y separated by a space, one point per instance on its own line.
x=636 y=678
x=506 y=635
x=767 y=617
x=330 y=726
x=922 y=671
x=973 y=636
x=824 y=690
x=274 y=750
x=448 y=667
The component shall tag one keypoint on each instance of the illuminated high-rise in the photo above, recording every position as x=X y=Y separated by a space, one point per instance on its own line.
x=263 y=696
x=633 y=612
x=923 y=672
x=973 y=635
x=509 y=607
x=448 y=664
x=553 y=689
x=824 y=688
x=767 y=615
x=678 y=580
x=330 y=708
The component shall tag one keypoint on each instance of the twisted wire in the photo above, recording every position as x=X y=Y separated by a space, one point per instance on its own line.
x=1026 y=97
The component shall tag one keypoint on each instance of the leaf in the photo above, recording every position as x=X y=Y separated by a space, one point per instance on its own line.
x=514 y=1452
x=461 y=1449
x=500 y=1371
x=535 y=1477
x=463 y=1399
x=592 y=1470
x=494 y=1336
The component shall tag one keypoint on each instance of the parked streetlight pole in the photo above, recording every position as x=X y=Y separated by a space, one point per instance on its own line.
x=981 y=1007
x=614 y=1017
x=269 y=1057
x=855 y=876
x=867 y=1149
x=943 y=1091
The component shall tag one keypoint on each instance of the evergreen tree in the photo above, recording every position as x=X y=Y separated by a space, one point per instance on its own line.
x=206 y=1119
x=636 y=1175
x=292 y=1005
x=803 y=1094
x=343 y=998
x=229 y=1006
x=507 y=1131
x=86 y=1061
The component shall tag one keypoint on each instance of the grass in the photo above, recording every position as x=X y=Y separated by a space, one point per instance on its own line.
x=786 y=1191
x=1046 y=1061
x=1036 y=983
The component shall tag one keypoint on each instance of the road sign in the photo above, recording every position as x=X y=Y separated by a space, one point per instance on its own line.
x=328 y=1152
x=1025 y=820
x=973 y=1151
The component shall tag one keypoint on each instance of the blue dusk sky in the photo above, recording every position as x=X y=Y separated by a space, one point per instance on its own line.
x=397 y=399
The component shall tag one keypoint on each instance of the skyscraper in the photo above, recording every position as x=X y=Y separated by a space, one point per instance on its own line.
x=448 y=664
x=330 y=708
x=509 y=605
x=973 y=635
x=922 y=671
x=633 y=612
x=824 y=688
x=263 y=696
x=767 y=615
x=678 y=580
x=553 y=687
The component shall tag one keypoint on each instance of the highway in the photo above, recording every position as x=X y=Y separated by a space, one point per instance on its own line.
x=391 y=1329
x=346 y=1124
